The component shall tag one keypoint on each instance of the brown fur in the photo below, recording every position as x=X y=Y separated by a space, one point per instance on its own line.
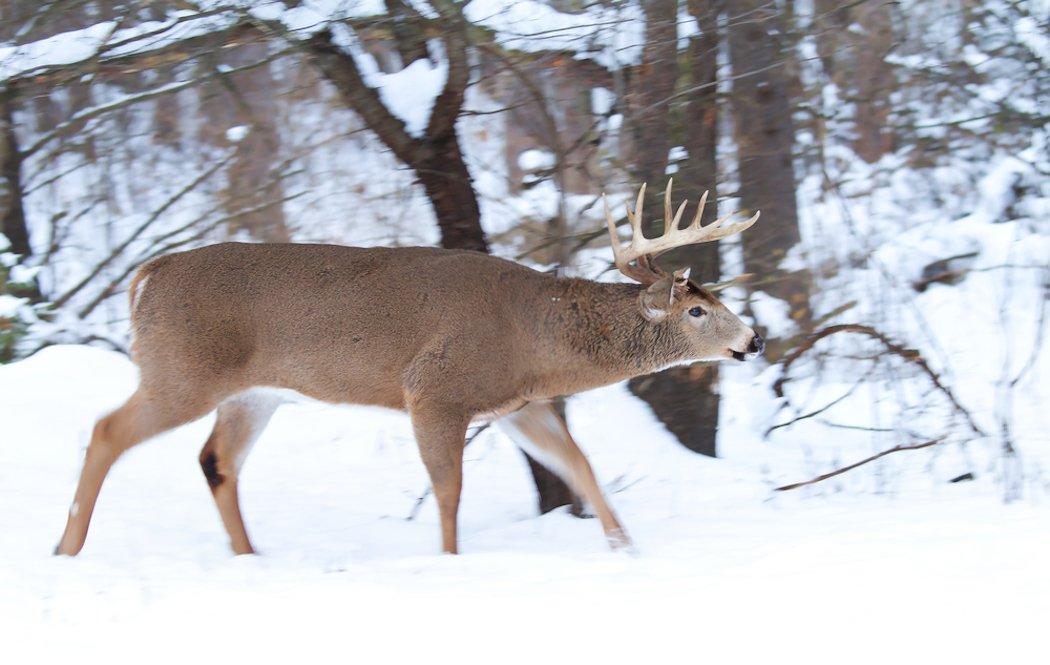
x=448 y=335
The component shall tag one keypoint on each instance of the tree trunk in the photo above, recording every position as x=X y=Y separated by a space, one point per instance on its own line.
x=246 y=99
x=765 y=138
x=685 y=399
x=654 y=83
x=449 y=187
x=874 y=81
x=437 y=160
x=12 y=212
x=409 y=37
x=856 y=62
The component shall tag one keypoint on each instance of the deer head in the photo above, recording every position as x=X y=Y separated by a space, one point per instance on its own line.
x=694 y=315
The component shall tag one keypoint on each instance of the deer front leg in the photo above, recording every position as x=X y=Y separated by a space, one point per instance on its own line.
x=441 y=434
x=539 y=430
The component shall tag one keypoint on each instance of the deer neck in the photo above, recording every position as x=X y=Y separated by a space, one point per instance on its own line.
x=601 y=336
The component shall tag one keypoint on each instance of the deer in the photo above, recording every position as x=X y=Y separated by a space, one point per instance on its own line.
x=452 y=337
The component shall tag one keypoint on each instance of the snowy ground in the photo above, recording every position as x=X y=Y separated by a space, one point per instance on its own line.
x=725 y=571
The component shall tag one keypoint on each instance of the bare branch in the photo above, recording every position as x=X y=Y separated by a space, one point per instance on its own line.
x=910 y=355
x=850 y=467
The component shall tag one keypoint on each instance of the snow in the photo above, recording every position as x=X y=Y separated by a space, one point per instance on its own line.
x=535 y=160
x=611 y=36
x=725 y=569
x=891 y=561
x=10 y=305
x=237 y=134
x=410 y=93
x=63 y=48
x=104 y=38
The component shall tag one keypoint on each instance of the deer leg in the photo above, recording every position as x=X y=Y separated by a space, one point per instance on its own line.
x=239 y=422
x=539 y=430
x=441 y=436
x=140 y=418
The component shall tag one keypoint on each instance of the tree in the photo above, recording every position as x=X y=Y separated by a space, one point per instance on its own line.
x=853 y=41
x=765 y=138
x=686 y=399
x=436 y=157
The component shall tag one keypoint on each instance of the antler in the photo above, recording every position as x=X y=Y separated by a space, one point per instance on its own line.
x=642 y=250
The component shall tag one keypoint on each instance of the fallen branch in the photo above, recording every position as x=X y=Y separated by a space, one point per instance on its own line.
x=850 y=467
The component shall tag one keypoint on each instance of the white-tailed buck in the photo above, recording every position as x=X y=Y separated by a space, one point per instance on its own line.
x=449 y=336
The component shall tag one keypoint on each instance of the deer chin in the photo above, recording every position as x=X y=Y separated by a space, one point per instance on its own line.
x=739 y=355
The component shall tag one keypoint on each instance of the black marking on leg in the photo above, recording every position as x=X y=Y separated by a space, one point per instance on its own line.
x=210 y=466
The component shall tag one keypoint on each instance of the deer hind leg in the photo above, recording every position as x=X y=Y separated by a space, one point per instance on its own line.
x=239 y=422
x=441 y=435
x=539 y=430
x=143 y=416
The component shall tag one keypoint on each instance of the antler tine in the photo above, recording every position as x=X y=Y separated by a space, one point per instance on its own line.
x=643 y=271
x=673 y=224
x=636 y=218
x=667 y=206
x=670 y=227
x=717 y=231
x=641 y=250
x=614 y=238
x=695 y=224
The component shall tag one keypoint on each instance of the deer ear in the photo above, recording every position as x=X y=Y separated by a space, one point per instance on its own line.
x=656 y=300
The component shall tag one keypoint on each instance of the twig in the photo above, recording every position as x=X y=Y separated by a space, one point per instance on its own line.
x=817 y=412
x=910 y=355
x=850 y=467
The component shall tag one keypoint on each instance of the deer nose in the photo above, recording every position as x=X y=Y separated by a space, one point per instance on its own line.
x=757 y=345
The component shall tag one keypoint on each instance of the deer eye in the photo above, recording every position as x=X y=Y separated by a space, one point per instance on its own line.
x=696 y=311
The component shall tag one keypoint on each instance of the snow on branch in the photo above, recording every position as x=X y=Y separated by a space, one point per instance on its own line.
x=610 y=35
x=106 y=42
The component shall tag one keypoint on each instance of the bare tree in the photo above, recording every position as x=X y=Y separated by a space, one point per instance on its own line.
x=765 y=138
x=436 y=157
x=853 y=41
x=685 y=399
x=12 y=210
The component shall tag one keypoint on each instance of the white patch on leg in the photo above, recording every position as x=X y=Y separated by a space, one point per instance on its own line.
x=259 y=405
x=74 y=509
x=544 y=457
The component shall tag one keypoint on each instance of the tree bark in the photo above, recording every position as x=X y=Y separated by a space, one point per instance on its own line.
x=437 y=157
x=12 y=211
x=409 y=38
x=245 y=99
x=765 y=139
x=449 y=186
x=856 y=62
x=874 y=81
x=686 y=399
x=654 y=83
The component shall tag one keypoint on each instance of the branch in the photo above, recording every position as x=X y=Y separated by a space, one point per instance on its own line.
x=93 y=112
x=117 y=53
x=449 y=102
x=341 y=70
x=850 y=467
x=139 y=230
x=910 y=355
